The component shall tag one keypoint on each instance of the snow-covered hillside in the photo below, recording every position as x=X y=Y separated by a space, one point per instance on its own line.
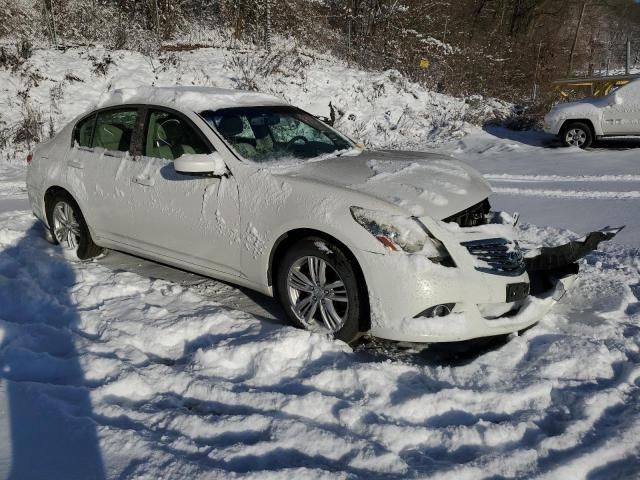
x=381 y=109
x=119 y=368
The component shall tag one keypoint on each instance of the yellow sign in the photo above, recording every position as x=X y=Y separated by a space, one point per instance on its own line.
x=424 y=63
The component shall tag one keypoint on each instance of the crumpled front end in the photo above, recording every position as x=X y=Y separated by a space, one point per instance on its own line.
x=489 y=286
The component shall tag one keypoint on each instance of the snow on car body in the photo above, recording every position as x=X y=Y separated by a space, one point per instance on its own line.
x=580 y=123
x=245 y=188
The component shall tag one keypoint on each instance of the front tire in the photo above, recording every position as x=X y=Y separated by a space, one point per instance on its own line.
x=576 y=134
x=318 y=288
x=68 y=227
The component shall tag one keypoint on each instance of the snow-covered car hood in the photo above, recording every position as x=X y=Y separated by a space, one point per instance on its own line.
x=420 y=183
x=584 y=107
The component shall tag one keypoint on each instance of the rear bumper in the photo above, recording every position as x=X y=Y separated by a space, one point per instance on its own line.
x=36 y=200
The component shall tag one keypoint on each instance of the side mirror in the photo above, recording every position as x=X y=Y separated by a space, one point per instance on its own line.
x=201 y=164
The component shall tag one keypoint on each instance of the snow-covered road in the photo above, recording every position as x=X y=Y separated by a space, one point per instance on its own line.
x=565 y=188
x=120 y=368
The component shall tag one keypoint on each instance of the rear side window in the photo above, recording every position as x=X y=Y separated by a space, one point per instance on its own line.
x=630 y=93
x=84 y=131
x=114 y=129
x=169 y=137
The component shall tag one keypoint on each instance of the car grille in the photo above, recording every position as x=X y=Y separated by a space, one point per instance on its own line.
x=497 y=256
x=472 y=216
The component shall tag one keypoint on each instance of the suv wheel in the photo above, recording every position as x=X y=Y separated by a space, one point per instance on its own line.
x=318 y=288
x=576 y=134
x=68 y=227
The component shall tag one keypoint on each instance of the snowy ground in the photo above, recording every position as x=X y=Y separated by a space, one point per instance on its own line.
x=120 y=368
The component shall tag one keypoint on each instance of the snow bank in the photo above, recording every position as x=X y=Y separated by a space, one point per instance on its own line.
x=380 y=109
x=147 y=379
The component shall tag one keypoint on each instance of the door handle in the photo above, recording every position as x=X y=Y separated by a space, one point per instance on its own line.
x=144 y=181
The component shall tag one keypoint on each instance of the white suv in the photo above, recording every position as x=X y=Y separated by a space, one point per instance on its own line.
x=246 y=188
x=580 y=123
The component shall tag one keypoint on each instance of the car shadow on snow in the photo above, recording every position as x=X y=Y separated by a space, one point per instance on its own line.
x=533 y=138
x=51 y=432
x=450 y=354
x=536 y=138
x=621 y=143
x=229 y=296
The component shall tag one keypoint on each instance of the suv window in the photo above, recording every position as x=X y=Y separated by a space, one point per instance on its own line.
x=114 y=129
x=83 y=132
x=168 y=136
x=630 y=93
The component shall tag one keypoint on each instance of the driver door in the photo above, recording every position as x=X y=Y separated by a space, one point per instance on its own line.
x=184 y=219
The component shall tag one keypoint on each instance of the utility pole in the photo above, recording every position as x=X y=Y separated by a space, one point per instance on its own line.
x=349 y=13
x=628 y=59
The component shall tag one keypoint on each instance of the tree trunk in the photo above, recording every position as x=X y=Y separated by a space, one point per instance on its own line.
x=575 y=38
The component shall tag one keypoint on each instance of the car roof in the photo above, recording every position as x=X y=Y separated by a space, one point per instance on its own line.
x=197 y=99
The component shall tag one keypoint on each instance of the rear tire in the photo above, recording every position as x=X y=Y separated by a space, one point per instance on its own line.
x=318 y=288
x=68 y=227
x=576 y=134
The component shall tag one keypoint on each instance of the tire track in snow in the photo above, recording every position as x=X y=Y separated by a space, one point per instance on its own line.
x=541 y=192
x=505 y=177
x=13 y=189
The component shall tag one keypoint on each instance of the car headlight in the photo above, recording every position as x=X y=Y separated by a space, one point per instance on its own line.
x=400 y=233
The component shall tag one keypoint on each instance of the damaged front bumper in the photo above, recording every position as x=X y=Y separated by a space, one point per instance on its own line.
x=478 y=303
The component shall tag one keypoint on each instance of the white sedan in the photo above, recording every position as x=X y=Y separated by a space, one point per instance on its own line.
x=248 y=189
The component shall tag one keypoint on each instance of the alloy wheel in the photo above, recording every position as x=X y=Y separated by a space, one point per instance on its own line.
x=576 y=137
x=317 y=294
x=66 y=227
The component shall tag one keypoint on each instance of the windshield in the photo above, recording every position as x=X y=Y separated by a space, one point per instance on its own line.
x=272 y=134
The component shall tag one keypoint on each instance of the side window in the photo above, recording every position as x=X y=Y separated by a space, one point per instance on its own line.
x=83 y=132
x=169 y=136
x=630 y=93
x=114 y=129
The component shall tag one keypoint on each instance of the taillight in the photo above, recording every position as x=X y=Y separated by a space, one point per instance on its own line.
x=29 y=157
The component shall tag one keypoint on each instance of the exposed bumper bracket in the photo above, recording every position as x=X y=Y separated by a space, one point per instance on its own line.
x=554 y=263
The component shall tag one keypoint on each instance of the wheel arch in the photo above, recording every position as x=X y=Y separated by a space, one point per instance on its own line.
x=51 y=192
x=588 y=122
x=287 y=239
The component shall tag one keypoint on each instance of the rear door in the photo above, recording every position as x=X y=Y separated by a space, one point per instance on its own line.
x=77 y=158
x=108 y=170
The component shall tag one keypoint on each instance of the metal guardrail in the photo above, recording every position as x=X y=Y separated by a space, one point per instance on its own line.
x=600 y=86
